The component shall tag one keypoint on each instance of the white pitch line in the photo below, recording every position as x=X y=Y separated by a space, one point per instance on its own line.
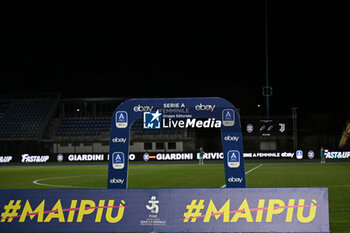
x=39 y=182
x=247 y=172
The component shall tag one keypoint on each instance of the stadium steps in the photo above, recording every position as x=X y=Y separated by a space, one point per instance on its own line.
x=26 y=118
x=83 y=126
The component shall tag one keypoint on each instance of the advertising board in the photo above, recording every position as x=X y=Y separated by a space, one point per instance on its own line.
x=165 y=210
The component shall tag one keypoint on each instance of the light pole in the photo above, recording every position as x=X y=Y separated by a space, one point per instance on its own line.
x=295 y=128
x=267 y=90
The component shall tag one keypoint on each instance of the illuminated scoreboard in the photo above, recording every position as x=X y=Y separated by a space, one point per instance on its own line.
x=266 y=127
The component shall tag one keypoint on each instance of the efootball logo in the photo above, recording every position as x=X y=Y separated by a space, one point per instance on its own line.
x=152 y=120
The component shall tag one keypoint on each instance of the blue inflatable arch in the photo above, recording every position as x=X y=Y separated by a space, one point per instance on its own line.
x=176 y=112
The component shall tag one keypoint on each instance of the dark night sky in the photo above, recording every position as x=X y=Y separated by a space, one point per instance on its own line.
x=165 y=49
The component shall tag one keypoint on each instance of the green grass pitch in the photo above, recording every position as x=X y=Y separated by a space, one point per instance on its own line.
x=335 y=176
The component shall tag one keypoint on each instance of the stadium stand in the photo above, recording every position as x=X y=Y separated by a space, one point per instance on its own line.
x=83 y=126
x=47 y=123
x=26 y=118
